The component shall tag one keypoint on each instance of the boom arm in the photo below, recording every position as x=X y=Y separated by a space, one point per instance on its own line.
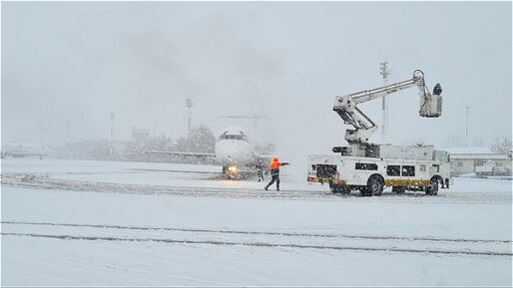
x=345 y=106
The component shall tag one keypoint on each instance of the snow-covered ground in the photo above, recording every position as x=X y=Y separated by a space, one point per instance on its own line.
x=120 y=223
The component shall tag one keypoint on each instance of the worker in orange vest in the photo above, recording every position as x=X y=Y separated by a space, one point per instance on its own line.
x=275 y=173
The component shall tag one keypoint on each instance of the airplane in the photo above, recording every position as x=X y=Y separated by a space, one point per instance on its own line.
x=19 y=150
x=235 y=150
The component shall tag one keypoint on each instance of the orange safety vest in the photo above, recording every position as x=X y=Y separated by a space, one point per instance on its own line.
x=275 y=164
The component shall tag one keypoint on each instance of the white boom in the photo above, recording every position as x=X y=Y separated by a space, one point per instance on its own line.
x=346 y=107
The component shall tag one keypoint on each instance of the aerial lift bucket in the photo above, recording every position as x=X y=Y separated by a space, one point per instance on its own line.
x=431 y=104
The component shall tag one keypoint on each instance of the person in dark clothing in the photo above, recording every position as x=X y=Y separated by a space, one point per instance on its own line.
x=275 y=173
x=260 y=166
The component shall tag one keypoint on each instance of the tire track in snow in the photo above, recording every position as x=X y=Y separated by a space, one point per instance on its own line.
x=259 y=244
x=246 y=232
x=28 y=180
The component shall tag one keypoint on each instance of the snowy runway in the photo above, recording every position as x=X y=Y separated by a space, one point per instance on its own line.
x=110 y=223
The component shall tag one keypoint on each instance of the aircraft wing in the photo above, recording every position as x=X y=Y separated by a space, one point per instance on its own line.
x=179 y=153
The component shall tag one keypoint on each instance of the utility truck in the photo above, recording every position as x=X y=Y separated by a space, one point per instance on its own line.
x=369 y=167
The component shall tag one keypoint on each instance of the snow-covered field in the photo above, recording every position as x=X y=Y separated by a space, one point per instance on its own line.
x=120 y=223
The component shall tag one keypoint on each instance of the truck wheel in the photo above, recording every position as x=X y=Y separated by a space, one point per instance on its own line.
x=375 y=185
x=398 y=189
x=432 y=189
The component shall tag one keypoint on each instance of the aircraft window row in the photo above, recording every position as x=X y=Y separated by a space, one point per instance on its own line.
x=234 y=137
x=396 y=170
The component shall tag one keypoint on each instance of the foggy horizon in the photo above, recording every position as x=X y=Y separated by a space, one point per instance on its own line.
x=81 y=61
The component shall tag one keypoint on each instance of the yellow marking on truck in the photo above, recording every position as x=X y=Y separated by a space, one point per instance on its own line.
x=406 y=182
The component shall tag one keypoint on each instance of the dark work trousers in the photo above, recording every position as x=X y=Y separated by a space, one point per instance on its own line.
x=260 y=175
x=276 y=178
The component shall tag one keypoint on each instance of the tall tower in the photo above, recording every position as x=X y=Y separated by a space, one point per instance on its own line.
x=188 y=105
x=383 y=71
x=111 y=125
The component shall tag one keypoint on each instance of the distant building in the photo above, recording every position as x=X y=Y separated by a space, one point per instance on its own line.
x=19 y=150
x=479 y=160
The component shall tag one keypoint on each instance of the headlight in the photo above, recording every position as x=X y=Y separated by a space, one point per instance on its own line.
x=232 y=169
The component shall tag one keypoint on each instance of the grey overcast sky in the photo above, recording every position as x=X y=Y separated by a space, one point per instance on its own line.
x=79 y=61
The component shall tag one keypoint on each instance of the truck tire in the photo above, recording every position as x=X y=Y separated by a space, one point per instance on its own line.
x=432 y=189
x=375 y=185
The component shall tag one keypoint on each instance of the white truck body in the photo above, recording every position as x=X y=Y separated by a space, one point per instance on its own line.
x=402 y=167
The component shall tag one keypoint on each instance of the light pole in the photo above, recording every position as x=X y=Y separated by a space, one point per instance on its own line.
x=112 y=117
x=188 y=104
x=383 y=71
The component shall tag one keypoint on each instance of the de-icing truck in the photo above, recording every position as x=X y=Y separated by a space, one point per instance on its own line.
x=369 y=167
